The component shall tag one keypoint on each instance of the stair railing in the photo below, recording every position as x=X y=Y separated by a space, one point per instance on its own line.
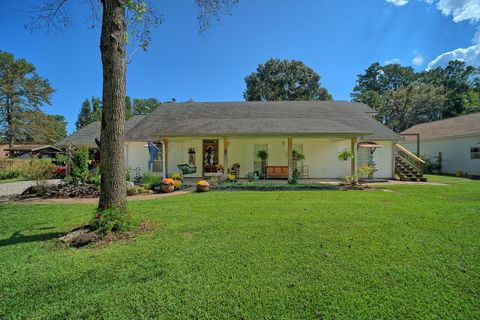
x=409 y=158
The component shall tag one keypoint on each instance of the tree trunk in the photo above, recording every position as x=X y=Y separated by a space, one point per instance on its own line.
x=112 y=161
x=9 y=113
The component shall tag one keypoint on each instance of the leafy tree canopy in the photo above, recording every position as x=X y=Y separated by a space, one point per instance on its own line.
x=21 y=90
x=91 y=109
x=454 y=90
x=284 y=80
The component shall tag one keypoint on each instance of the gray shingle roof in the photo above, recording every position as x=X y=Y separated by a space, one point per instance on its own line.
x=458 y=126
x=263 y=118
x=86 y=135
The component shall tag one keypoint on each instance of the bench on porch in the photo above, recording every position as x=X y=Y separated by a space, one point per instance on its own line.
x=277 y=172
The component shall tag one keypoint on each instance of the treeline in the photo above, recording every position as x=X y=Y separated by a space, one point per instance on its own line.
x=91 y=109
x=404 y=97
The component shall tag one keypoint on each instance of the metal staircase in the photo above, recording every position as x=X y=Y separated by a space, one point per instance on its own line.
x=408 y=166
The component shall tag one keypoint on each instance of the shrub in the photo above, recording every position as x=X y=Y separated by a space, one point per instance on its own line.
x=13 y=168
x=79 y=166
x=151 y=179
x=94 y=177
x=147 y=186
x=176 y=176
x=40 y=171
x=113 y=220
x=8 y=174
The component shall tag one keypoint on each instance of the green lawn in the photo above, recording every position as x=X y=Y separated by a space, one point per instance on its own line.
x=13 y=180
x=413 y=253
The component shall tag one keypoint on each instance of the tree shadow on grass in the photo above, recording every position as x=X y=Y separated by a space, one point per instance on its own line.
x=17 y=238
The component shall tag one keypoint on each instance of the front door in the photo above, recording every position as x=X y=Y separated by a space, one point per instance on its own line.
x=210 y=157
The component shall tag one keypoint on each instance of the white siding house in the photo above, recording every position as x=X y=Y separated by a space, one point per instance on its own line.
x=456 y=140
x=235 y=131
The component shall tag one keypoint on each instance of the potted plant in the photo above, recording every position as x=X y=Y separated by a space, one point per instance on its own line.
x=251 y=176
x=203 y=186
x=168 y=185
x=345 y=155
x=263 y=155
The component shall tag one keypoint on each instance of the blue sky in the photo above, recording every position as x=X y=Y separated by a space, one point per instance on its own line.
x=338 y=39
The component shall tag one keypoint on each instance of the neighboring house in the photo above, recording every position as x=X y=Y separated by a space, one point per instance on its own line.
x=3 y=153
x=209 y=136
x=457 y=140
x=28 y=151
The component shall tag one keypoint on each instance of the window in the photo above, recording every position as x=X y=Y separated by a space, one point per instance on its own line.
x=257 y=162
x=475 y=153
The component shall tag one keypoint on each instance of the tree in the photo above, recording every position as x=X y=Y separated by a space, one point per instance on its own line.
x=284 y=80
x=39 y=128
x=116 y=16
x=377 y=80
x=128 y=108
x=21 y=89
x=406 y=106
x=85 y=115
x=96 y=109
x=145 y=106
x=458 y=79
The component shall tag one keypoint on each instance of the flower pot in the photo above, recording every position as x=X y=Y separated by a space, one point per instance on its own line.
x=202 y=188
x=167 y=188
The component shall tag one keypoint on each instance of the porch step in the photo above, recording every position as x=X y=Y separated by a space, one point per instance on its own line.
x=407 y=172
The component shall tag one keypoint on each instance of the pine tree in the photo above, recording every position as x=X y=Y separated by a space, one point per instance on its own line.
x=85 y=115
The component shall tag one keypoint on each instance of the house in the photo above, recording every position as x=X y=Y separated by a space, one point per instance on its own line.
x=28 y=151
x=215 y=135
x=453 y=142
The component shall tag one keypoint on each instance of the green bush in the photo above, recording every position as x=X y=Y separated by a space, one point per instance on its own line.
x=151 y=179
x=113 y=220
x=8 y=174
x=94 y=177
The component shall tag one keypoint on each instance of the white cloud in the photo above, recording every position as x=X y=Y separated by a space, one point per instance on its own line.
x=392 y=61
x=460 y=10
x=470 y=55
x=418 y=58
x=398 y=2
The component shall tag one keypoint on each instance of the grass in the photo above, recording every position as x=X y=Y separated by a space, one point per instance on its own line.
x=413 y=253
x=13 y=180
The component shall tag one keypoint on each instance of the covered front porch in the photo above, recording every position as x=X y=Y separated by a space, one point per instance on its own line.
x=216 y=156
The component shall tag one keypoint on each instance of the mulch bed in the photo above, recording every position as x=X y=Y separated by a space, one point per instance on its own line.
x=84 y=236
x=61 y=191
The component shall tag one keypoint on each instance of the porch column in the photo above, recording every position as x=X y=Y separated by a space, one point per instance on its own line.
x=225 y=157
x=165 y=157
x=290 y=160
x=353 y=143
